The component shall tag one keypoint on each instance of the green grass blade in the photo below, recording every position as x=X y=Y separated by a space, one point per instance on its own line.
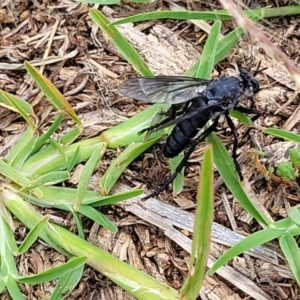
x=113 y=199
x=118 y=166
x=202 y=229
x=28 y=136
x=209 y=52
x=78 y=222
x=46 y=136
x=209 y=15
x=87 y=173
x=69 y=137
x=13 y=289
x=227 y=170
x=251 y=241
x=7 y=234
x=126 y=132
x=66 y=284
x=54 y=273
x=287 y=135
x=20 y=106
x=33 y=235
x=98 y=217
x=290 y=249
x=179 y=180
x=73 y=160
x=52 y=93
x=51 y=178
x=241 y=117
x=120 y=43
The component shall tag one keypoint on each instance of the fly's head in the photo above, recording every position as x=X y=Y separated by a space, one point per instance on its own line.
x=250 y=84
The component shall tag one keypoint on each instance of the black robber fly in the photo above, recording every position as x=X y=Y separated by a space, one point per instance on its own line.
x=204 y=100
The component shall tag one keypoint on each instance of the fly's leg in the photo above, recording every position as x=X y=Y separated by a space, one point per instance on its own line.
x=170 y=114
x=235 y=144
x=206 y=133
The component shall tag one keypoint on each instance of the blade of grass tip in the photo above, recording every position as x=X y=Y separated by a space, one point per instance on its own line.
x=69 y=137
x=118 y=166
x=241 y=117
x=287 y=135
x=74 y=158
x=51 y=178
x=121 y=43
x=21 y=145
x=78 y=222
x=202 y=229
x=15 y=176
x=25 y=153
x=294 y=215
x=87 y=173
x=46 y=136
x=66 y=284
x=98 y=217
x=179 y=179
x=20 y=106
x=33 y=235
x=290 y=249
x=209 y=52
x=224 y=46
x=53 y=273
x=227 y=170
x=256 y=239
x=52 y=93
x=113 y=199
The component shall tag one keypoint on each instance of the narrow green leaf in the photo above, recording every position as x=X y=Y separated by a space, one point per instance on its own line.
x=69 y=137
x=6 y=233
x=202 y=229
x=287 y=135
x=87 y=173
x=241 y=117
x=209 y=15
x=48 y=179
x=179 y=180
x=20 y=146
x=113 y=199
x=54 y=273
x=66 y=284
x=120 y=43
x=20 y=106
x=209 y=52
x=78 y=222
x=52 y=93
x=33 y=235
x=15 y=176
x=118 y=166
x=255 y=239
x=294 y=215
x=291 y=251
x=46 y=136
x=227 y=170
x=126 y=132
x=98 y=217
x=73 y=160
x=13 y=289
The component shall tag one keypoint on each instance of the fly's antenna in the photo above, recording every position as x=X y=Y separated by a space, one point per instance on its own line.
x=257 y=71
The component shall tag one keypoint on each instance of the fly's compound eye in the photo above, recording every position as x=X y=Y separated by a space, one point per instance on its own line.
x=255 y=86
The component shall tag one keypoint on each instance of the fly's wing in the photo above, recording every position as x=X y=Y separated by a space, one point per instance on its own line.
x=163 y=89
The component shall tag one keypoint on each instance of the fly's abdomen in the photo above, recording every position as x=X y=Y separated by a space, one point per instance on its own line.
x=184 y=131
